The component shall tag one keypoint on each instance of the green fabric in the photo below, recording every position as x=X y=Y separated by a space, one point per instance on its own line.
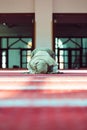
x=40 y=61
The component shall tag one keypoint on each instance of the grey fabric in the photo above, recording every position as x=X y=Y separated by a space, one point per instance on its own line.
x=41 y=61
x=50 y=52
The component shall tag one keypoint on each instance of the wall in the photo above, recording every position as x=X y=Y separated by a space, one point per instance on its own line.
x=43 y=14
x=59 y=6
x=70 y=6
x=16 y=6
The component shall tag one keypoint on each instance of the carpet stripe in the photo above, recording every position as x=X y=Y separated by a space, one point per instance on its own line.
x=23 y=71
x=18 y=79
x=43 y=102
x=61 y=87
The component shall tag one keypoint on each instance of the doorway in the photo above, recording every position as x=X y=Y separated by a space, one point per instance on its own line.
x=70 y=58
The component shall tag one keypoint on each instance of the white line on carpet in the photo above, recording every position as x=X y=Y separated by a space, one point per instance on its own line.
x=25 y=71
x=17 y=79
x=43 y=103
x=67 y=87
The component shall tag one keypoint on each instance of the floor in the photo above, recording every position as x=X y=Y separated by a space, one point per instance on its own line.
x=43 y=102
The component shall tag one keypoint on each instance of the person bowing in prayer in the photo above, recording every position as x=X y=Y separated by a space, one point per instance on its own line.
x=42 y=62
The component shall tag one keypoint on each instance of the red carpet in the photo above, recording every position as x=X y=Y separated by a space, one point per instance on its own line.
x=43 y=102
x=62 y=118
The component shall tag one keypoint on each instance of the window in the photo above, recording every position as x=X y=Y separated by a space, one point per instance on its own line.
x=70 y=40
x=17 y=38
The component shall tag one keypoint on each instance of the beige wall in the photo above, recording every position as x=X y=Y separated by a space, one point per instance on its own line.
x=16 y=6
x=59 y=6
x=43 y=14
x=70 y=6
